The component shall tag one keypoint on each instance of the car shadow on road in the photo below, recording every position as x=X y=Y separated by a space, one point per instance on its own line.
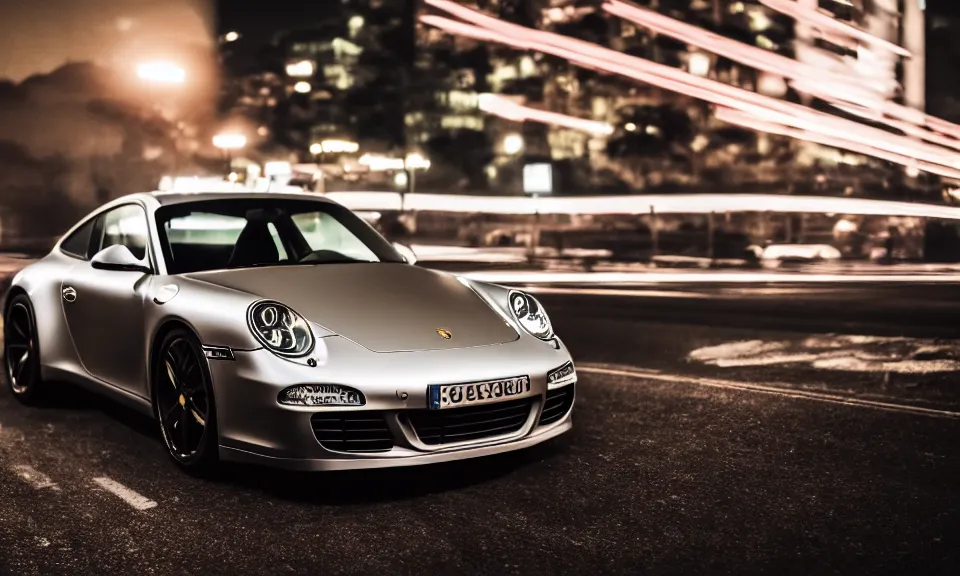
x=339 y=488
x=63 y=399
x=344 y=488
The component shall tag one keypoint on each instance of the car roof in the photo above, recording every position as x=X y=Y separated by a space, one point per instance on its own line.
x=174 y=197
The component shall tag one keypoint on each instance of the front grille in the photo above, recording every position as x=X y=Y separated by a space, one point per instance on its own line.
x=471 y=423
x=557 y=404
x=352 y=431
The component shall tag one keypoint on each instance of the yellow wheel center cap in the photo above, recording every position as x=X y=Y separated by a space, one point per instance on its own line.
x=183 y=400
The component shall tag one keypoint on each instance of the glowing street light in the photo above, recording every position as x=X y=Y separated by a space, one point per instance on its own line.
x=513 y=144
x=229 y=141
x=301 y=69
x=339 y=147
x=699 y=64
x=416 y=162
x=162 y=73
x=231 y=36
x=316 y=149
x=302 y=87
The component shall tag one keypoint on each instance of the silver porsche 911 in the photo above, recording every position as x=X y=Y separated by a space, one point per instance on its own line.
x=281 y=329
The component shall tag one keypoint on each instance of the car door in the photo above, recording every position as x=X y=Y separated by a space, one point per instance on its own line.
x=104 y=309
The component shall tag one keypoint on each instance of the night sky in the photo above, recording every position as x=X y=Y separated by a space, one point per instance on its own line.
x=943 y=7
x=40 y=35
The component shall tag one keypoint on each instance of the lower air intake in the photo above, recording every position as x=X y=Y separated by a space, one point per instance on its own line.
x=352 y=431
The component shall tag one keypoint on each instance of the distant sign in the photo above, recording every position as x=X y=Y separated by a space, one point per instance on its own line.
x=538 y=179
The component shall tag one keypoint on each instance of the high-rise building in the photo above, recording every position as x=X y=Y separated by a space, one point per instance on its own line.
x=306 y=72
x=372 y=72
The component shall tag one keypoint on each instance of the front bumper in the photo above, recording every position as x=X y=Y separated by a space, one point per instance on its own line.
x=255 y=428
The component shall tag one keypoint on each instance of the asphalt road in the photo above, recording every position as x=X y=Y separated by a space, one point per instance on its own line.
x=675 y=465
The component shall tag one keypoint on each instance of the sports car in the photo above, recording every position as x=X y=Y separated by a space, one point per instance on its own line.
x=281 y=329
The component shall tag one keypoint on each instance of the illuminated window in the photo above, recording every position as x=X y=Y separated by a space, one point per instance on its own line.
x=459 y=100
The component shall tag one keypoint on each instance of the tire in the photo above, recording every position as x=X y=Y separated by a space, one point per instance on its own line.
x=21 y=351
x=184 y=404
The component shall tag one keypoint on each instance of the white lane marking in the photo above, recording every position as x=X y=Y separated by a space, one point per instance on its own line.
x=33 y=477
x=638 y=293
x=127 y=495
x=771 y=388
x=841 y=353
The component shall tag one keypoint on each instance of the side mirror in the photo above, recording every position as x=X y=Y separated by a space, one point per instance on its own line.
x=406 y=252
x=118 y=258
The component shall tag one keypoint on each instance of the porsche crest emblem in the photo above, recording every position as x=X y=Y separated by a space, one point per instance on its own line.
x=445 y=334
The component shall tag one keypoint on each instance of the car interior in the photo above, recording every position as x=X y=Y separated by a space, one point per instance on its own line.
x=203 y=239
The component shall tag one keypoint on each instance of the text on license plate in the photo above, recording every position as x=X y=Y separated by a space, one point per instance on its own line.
x=442 y=396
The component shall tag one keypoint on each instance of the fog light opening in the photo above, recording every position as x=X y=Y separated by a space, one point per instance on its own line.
x=321 y=395
x=561 y=376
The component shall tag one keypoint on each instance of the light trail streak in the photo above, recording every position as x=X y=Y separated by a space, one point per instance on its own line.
x=827 y=21
x=591 y=55
x=746 y=121
x=826 y=85
x=507 y=108
x=641 y=204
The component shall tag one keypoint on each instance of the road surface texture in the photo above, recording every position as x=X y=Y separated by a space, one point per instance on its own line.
x=717 y=430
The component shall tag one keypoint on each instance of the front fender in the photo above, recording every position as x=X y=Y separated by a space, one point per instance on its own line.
x=217 y=315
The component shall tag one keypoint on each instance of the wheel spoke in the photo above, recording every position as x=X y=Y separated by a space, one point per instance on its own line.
x=18 y=369
x=184 y=424
x=170 y=375
x=19 y=329
x=183 y=359
x=197 y=417
x=166 y=417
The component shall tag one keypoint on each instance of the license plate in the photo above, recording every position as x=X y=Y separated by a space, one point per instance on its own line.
x=443 y=396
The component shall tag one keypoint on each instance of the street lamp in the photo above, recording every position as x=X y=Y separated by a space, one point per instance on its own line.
x=301 y=69
x=411 y=164
x=513 y=144
x=161 y=73
x=228 y=142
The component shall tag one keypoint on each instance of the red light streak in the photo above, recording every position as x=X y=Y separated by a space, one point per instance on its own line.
x=641 y=204
x=826 y=21
x=746 y=121
x=507 y=108
x=828 y=86
x=584 y=53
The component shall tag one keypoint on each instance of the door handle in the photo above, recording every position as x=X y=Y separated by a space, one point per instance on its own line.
x=69 y=294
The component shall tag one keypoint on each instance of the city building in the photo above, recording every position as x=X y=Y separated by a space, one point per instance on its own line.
x=379 y=78
x=315 y=81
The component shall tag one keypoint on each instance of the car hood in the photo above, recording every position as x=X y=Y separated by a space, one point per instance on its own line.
x=384 y=307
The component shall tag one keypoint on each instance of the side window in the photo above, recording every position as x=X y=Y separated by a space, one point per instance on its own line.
x=126 y=225
x=78 y=243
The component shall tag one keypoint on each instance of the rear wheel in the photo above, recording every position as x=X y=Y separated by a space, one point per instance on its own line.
x=21 y=353
x=183 y=397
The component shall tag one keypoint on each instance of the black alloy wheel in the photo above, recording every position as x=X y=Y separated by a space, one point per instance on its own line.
x=183 y=396
x=21 y=353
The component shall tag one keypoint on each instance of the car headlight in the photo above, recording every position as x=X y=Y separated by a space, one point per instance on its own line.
x=280 y=329
x=530 y=315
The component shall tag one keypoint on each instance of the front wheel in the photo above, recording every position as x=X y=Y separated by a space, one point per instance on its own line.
x=183 y=397
x=21 y=352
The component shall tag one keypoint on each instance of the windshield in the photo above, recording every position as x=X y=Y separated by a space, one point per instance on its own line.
x=252 y=232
